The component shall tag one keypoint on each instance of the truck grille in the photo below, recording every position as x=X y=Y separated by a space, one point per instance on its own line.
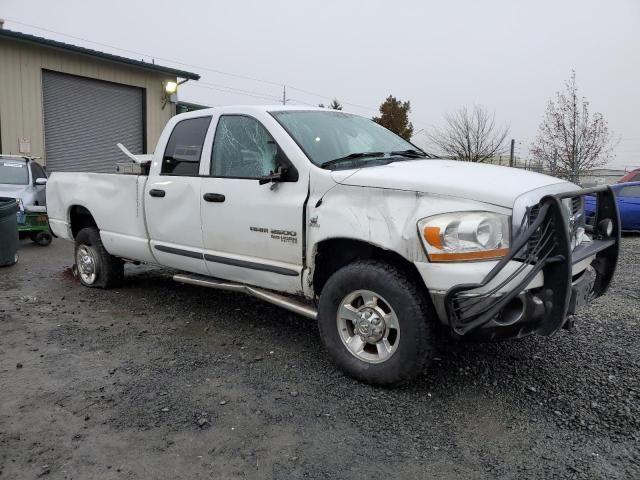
x=576 y=205
x=575 y=214
x=532 y=214
x=470 y=307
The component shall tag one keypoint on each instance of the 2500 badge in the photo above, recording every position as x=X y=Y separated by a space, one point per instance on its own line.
x=285 y=236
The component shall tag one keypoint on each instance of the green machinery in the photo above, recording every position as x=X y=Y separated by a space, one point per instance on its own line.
x=33 y=223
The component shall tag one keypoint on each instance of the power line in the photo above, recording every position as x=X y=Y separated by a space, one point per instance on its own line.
x=325 y=97
x=135 y=52
x=234 y=92
x=294 y=100
x=201 y=84
x=200 y=67
x=249 y=93
x=254 y=93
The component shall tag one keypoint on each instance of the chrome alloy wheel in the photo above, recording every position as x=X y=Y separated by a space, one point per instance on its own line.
x=368 y=326
x=86 y=264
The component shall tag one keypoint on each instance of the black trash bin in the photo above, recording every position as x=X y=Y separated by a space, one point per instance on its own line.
x=8 y=231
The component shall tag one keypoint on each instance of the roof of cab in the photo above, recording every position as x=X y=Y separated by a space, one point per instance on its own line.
x=261 y=108
x=230 y=109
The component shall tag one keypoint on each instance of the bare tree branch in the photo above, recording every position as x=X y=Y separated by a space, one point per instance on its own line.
x=570 y=141
x=472 y=136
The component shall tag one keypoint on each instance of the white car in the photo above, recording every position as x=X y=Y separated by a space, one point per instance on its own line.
x=22 y=178
x=332 y=216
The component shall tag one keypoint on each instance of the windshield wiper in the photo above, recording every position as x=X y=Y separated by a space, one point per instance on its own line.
x=351 y=156
x=411 y=153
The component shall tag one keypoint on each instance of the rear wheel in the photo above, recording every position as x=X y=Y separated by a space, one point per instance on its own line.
x=41 y=238
x=376 y=323
x=94 y=265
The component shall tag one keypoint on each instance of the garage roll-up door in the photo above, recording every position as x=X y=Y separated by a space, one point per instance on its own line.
x=84 y=119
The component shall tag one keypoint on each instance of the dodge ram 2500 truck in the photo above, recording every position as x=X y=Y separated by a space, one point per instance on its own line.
x=334 y=217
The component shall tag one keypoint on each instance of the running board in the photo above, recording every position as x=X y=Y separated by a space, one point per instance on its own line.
x=280 y=300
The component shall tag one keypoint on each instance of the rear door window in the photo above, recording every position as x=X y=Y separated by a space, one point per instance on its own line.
x=184 y=148
x=13 y=172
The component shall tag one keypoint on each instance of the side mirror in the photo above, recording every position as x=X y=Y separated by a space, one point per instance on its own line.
x=40 y=181
x=273 y=176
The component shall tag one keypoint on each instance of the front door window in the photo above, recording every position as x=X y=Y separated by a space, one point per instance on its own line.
x=242 y=148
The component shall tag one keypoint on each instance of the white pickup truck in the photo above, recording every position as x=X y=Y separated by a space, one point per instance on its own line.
x=332 y=216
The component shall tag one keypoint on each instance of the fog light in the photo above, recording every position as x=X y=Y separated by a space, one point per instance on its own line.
x=605 y=227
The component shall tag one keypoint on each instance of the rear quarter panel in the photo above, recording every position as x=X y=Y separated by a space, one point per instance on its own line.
x=115 y=202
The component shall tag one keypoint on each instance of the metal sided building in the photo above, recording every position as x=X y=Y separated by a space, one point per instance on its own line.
x=71 y=105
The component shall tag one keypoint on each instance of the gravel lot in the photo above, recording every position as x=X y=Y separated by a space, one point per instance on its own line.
x=161 y=380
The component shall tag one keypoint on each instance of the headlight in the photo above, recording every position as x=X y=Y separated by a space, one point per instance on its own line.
x=461 y=236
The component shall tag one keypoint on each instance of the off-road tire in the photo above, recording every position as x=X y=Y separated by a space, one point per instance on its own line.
x=416 y=319
x=109 y=269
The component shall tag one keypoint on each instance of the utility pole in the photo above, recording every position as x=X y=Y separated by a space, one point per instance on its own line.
x=513 y=146
x=284 y=94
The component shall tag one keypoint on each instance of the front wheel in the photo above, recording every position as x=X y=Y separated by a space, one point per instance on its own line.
x=94 y=265
x=376 y=323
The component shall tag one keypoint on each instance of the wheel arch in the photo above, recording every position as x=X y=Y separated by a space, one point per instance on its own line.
x=331 y=254
x=80 y=217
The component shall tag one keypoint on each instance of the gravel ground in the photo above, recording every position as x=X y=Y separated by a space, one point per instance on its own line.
x=162 y=380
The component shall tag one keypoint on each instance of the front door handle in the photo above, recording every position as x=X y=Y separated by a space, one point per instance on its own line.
x=155 y=192
x=213 y=197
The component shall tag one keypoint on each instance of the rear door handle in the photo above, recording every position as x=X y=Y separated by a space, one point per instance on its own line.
x=155 y=192
x=213 y=197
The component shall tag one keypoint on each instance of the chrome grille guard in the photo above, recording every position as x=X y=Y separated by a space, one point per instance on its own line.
x=543 y=244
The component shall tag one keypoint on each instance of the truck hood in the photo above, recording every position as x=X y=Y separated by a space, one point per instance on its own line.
x=473 y=181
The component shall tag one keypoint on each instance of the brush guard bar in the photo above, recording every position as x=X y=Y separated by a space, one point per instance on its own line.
x=543 y=244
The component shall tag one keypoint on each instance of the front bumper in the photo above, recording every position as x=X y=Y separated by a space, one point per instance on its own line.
x=538 y=285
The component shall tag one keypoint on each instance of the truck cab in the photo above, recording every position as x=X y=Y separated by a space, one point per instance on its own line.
x=211 y=203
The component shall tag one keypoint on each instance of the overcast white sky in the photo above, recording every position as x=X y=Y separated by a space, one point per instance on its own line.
x=510 y=56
